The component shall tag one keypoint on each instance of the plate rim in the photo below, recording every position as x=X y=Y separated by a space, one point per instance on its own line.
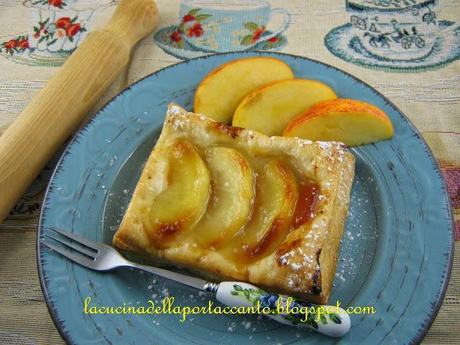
x=421 y=333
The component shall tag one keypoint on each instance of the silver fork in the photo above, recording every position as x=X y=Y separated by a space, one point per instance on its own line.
x=332 y=320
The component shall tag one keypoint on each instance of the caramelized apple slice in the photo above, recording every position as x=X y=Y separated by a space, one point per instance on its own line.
x=184 y=199
x=275 y=202
x=232 y=193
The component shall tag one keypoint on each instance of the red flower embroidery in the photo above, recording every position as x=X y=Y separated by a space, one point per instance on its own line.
x=73 y=29
x=175 y=36
x=15 y=45
x=56 y=3
x=11 y=44
x=24 y=43
x=257 y=33
x=273 y=39
x=188 y=18
x=195 y=31
x=190 y=25
x=63 y=23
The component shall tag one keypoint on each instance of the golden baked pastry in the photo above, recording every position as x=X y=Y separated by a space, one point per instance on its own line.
x=231 y=203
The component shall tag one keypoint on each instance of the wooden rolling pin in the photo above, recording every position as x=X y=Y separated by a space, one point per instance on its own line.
x=52 y=115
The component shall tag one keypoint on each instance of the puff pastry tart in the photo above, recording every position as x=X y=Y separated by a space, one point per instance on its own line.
x=230 y=203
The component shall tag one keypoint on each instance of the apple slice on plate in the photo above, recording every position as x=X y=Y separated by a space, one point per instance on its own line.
x=269 y=108
x=220 y=92
x=184 y=198
x=232 y=193
x=349 y=121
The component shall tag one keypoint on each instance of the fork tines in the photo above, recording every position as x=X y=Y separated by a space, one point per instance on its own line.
x=76 y=248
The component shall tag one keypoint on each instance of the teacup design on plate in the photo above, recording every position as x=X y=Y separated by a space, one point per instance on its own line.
x=234 y=25
x=395 y=29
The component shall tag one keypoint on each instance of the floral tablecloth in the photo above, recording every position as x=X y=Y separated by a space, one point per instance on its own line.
x=416 y=67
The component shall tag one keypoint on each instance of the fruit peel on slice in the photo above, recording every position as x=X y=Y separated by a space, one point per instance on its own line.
x=220 y=92
x=349 y=121
x=269 y=108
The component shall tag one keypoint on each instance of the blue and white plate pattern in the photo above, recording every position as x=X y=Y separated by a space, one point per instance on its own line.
x=342 y=42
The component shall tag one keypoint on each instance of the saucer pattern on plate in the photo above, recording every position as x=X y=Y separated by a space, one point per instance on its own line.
x=341 y=42
x=170 y=40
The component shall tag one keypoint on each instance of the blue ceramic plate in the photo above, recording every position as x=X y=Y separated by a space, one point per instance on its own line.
x=395 y=256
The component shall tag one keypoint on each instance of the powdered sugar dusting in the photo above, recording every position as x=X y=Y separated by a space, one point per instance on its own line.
x=359 y=241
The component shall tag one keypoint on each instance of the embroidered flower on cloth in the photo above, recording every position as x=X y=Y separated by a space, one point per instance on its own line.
x=15 y=45
x=254 y=36
x=51 y=3
x=45 y=31
x=191 y=25
x=61 y=28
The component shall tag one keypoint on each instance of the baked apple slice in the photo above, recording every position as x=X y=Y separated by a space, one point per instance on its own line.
x=275 y=201
x=269 y=108
x=232 y=193
x=184 y=198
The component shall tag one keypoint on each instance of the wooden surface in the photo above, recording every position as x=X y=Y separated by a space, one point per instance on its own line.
x=24 y=318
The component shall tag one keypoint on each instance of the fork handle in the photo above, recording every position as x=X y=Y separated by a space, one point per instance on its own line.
x=330 y=320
